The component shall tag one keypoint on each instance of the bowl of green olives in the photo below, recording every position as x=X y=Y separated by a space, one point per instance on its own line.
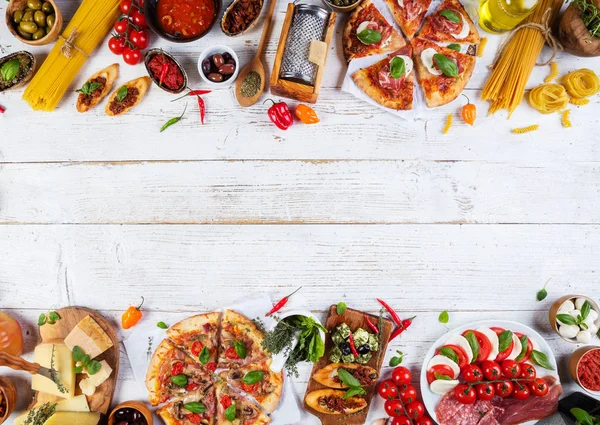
x=34 y=22
x=341 y=6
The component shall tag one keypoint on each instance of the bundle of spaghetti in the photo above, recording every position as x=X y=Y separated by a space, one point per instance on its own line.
x=92 y=21
x=506 y=86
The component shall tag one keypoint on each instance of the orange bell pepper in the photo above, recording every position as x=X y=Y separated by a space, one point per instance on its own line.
x=306 y=114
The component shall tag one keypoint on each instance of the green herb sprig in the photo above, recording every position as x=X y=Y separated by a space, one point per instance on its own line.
x=50 y=318
x=354 y=387
x=590 y=15
x=54 y=373
x=39 y=415
x=396 y=360
x=542 y=293
x=88 y=87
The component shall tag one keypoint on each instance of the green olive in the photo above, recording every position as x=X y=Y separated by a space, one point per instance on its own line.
x=18 y=16
x=29 y=27
x=34 y=4
x=41 y=33
x=50 y=20
x=48 y=29
x=39 y=18
x=47 y=7
x=23 y=34
x=27 y=16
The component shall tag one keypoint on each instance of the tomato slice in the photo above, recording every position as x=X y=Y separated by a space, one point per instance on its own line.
x=460 y=353
x=503 y=355
x=529 y=348
x=485 y=346
x=439 y=369
x=197 y=346
x=231 y=354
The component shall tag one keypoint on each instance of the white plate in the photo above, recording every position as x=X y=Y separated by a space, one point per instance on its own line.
x=431 y=400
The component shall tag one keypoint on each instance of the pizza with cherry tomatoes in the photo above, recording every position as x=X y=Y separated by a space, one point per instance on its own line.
x=409 y=14
x=235 y=409
x=198 y=408
x=198 y=336
x=241 y=341
x=450 y=23
x=368 y=33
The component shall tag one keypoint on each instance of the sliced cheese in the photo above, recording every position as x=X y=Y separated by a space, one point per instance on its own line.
x=90 y=337
x=63 y=363
x=517 y=347
x=466 y=29
x=461 y=342
x=88 y=385
x=20 y=420
x=318 y=52
x=73 y=418
x=427 y=59
x=76 y=404
x=441 y=386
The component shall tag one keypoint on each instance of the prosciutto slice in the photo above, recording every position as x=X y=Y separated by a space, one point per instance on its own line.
x=442 y=24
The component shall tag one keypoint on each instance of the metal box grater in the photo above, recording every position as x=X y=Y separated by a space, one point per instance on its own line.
x=309 y=23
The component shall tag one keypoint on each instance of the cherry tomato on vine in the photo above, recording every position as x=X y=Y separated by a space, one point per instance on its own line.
x=121 y=25
x=424 y=421
x=401 y=375
x=415 y=410
x=139 y=38
x=125 y=6
x=387 y=389
x=116 y=45
x=139 y=19
x=539 y=387
x=528 y=371
x=465 y=394
x=491 y=370
x=132 y=56
x=485 y=391
x=408 y=394
x=472 y=373
x=521 y=392
x=401 y=420
x=511 y=369
x=393 y=408
x=504 y=389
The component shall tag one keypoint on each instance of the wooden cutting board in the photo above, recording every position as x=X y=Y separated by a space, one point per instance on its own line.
x=354 y=319
x=70 y=316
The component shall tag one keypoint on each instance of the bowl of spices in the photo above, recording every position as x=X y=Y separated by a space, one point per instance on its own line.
x=34 y=22
x=130 y=413
x=16 y=70
x=165 y=71
x=218 y=66
x=584 y=366
x=8 y=398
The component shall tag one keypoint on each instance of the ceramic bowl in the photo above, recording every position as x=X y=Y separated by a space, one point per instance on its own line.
x=341 y=9
x=9 y=394
x=556 y=307
x=574 y=361
x=132 y=404
x=15 y=5
x=219 y=48
x=27 y=76
x=148 y=57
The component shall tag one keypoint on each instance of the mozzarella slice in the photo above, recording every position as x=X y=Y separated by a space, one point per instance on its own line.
x=491 y=335
x=408 y=64
x=517 y=347
x=464 y=32
x=427 y=59
x=443 y=360
x=363 y=26
x=441 y=386
x=401 y=3
x=461 y=342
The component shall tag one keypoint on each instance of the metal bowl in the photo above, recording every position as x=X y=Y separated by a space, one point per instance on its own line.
x=341 y=9
x=25 y=79
x=148 y=57
x=152 y=19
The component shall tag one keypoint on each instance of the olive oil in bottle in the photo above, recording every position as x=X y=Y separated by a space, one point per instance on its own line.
x=498 y=16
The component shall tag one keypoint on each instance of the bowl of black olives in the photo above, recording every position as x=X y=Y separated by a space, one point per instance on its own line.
x=34 y=22
x=218 y=66
x=130 y=413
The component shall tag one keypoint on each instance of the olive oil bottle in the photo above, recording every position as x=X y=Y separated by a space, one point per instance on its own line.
x=496 y=16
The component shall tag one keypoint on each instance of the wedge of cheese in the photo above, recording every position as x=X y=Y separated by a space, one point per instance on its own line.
x=76 y=404
x=63 y=363
x=73 y=418
x=88 y=385
x=90 y=337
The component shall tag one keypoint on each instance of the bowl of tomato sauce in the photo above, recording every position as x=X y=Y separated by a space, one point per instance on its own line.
x=165 y=71
x=182 y=21
x=584 y=366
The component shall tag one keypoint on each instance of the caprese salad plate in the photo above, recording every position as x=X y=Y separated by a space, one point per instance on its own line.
x=490 y=372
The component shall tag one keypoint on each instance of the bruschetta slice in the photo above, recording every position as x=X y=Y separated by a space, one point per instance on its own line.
x=96 y=88
x=328 y=376
x=331 y=402
x=127 y=96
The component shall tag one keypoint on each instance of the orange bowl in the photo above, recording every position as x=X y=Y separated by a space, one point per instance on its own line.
x=135 y=405
x=574 y=362
x=553 y=312
x=9 y=394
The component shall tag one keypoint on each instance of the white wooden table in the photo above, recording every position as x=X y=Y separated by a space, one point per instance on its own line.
x=98 y=211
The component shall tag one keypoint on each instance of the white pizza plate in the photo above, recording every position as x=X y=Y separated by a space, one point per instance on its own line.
x=431 y=400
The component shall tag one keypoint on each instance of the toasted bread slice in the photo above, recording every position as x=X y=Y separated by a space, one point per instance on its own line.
x=141 y=84
x=110 y=74
x=317 y=400
x=327 y=375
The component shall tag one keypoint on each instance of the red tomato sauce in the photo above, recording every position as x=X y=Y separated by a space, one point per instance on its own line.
x=185 y=18
x=588 y=370
x=173 y=78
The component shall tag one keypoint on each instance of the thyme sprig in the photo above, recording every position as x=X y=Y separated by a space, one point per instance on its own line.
x=39 y=415
x=54 y=373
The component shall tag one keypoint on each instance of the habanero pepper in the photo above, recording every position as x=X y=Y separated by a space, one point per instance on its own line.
x=469 y=112
x=306 y=114
x=280 y=114
x=131 y=316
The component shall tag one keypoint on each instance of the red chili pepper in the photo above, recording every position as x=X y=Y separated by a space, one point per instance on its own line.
x=396 y=332
x=392 y=312
x=280 y=114
x=352 y=346
x=371 y=324
x=202 y=107
x=163 y=72
x=405 y=324
x=281 y=303
x=198 y=92
x=2 y=109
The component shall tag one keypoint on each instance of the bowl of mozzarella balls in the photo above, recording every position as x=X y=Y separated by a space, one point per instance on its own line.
x=575 y=318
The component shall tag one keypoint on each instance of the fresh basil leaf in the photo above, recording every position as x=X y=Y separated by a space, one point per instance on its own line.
x=9 y=69
x=582 y=416
x=195 y=407
x=472 y=339
x=78 y=369
x=93 y=367
x=347 y=378
x=204 y=355
x=78 y=354
x=51 y=322
x=584 y=326
x=230 y=413
x=451 y=15
x=505 y=339
x=42 y=320
x=442 y=377
x=340 y=308
x=567 y=319
x=541 y=359
x=369 y=36
x=524 y=345
x=446 y=65
x=121 y=93
x=88 y=87
x=397 y=67
x=240 y=349
x=253 y=377
x=454 y=46
x=449 y=352
x=353 y=391
x=542 y=294
x=585 y=309
x=396 y=360
x=444 y=317
x=179 y=380
x=162 y=325
x=53 y=315
x=85 y=360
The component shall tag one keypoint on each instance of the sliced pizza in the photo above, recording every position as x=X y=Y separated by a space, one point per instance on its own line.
x=258 y=381
x=443 y=73
x=198 y=336
x=450 y=23
x=409 y=14
x=235 y=409
x=173 y=374
x=389 y=82
x=196 y=408
x=367 y=33
x=241 y=341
